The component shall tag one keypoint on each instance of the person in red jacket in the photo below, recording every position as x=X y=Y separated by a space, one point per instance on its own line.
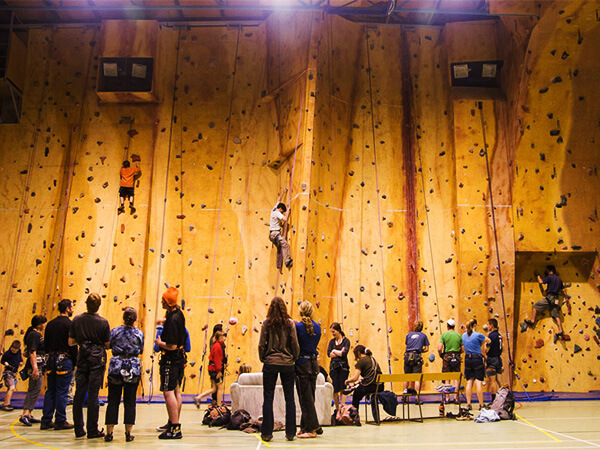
x=215 y=369
x=126 y=189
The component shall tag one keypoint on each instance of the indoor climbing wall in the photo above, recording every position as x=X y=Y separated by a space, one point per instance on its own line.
x=555 y=193
x=382 y=164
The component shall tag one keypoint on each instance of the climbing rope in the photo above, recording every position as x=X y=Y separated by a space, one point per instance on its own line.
x=484 y=152
x=387 y=334
x=158 y=304
x=23 y=207
x=214 y=265
x=437 y=301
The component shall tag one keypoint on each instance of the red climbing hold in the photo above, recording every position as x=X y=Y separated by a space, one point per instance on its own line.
x=122 y=228
x=539 y=343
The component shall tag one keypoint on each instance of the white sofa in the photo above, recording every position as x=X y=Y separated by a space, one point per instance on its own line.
x=247 y=393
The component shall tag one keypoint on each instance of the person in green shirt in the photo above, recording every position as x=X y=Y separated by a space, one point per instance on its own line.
x=449 y=349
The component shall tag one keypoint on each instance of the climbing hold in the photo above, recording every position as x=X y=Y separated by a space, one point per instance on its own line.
x=134 y=157
x=244 y=330
x=131 y=260
x=181 y=216
x=211 y=311
x=431 y=357
x=122 y=228
x=577 y=349
x=539 y=343
x=233 y=321
x=364 y=252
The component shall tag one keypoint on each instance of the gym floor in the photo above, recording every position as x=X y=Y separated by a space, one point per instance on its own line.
x=541 y=425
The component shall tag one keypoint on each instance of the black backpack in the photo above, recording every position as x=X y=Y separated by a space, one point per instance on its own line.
x=238 y=418
x=217 y=416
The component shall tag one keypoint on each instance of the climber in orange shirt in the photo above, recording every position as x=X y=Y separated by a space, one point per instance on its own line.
x=126 y=190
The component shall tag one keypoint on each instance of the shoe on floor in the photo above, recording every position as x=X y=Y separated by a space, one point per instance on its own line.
x=266 y=438
x=164 y=427
x=290 y=437
x=47 y=426
x=63 y=426
x=97 y=434
x=33 y=419
x=6 y=408
x=174 y=432
x=80 y=433
x=25 y=421
x=108 y=437
x=319 y=431
x=129 y=437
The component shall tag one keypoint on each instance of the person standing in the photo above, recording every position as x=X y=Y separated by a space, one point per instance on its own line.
x=473 y=342
x=494 y=357
x=61 y=357
x=279 y=216
x=339 y=368
x=215 y=370
x=124 y=373
x=91 y=333
x=416 y=344
x=278 y=350
x=450 y=349
x=11 y=360
x=35 y=366
x=172 y=362
x=307 y=369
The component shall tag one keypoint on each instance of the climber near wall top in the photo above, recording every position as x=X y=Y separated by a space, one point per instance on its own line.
x=551 y=302
x=126 y=189
x=279 y=216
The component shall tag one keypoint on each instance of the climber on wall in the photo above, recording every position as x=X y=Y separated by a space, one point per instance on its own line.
x=279 y=215
x=126 y=189
x=550 y=302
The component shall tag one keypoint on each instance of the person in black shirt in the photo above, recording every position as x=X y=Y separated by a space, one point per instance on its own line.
x=11 y=360
x=34 y=367
x=92 y=334
x=494 y=357
x=172 y=361
x=60 y=368
x=551 y=302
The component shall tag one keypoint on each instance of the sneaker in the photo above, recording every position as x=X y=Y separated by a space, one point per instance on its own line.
x=47 y=426
x=197 y=401
x=6 y=408
x=121 y=209
x=174 y=432
x=63 y=426
x=132 y=209
x=164 y=427
x=33 y=419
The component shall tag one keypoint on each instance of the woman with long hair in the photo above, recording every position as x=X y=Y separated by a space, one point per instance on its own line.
x=473 y=343
x=34 y=366
x=366 y=373
x=215 y=371
x=278 y=350
x=339 y=368
x=124 y=373
x=307 y=369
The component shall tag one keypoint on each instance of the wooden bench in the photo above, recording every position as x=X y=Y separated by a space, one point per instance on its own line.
x=408 y=378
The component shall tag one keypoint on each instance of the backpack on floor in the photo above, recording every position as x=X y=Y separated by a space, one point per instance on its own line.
x=348 y=415
x=504 y=404
x=238 y=418
x=217 y=416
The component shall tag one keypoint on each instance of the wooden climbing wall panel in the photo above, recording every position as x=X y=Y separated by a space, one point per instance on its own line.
x=386 y=177
x=555 y=196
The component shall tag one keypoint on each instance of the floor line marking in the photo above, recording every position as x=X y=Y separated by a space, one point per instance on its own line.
x=568 y=436
x=541 y=430
x=407 y=444
x=260 y=441
x=12 y=430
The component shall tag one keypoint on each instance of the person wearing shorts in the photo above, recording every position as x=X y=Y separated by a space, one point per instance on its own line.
x=126 y=189
x=450 y=349
x=473 y=343
x=550 y=302
x=172 y=361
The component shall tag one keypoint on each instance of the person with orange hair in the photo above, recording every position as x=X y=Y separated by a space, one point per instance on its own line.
x=172 y=361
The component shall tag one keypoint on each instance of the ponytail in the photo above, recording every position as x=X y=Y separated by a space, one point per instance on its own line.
x=470 y=325
x=362 y=350
x=306 y=311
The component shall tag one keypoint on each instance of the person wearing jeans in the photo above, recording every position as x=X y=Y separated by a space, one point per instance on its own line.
x=59 y=370
x=366 y=371
x=278 y=350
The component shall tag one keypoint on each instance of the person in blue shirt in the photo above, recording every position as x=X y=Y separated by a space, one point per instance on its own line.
x=473 y=342
x=124 y=373
x=307 y=369
x=416 y=343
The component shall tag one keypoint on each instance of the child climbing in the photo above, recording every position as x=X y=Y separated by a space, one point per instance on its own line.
x=126 y=189
x=215 y=369
x=279 y=216
x=551 y=302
